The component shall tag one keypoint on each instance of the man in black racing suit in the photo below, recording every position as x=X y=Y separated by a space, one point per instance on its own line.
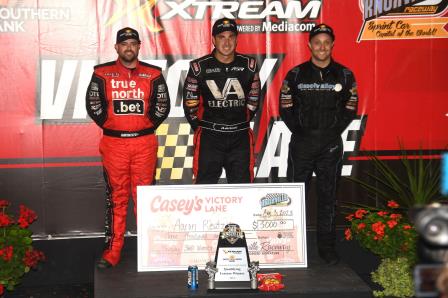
x=318 y=100
x=220 y=97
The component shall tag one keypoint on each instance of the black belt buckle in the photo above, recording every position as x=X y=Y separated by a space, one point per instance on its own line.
x=224 y=127
x=127 y=134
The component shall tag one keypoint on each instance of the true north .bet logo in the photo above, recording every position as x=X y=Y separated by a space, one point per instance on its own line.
x=128 y=106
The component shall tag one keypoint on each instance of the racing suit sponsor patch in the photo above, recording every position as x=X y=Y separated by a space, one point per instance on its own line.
x=128 y=106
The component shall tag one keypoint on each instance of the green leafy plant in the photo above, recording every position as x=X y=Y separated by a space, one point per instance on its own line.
x=390 y=235
x=417 y=185
x=17 y=255
x=384 y=227
x=386 y=233
x=394 y=275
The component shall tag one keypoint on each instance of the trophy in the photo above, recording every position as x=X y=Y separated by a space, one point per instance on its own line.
x=253 y=269
x=211 y=270
x=231 y=270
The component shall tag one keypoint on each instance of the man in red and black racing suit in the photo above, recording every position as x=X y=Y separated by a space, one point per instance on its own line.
x=128 y=99
x=220 y=97
x=318 y=100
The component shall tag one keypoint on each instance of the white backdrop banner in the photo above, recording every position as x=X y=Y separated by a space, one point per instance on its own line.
x=179 y=225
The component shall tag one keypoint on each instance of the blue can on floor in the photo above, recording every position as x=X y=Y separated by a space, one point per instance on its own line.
x=193 y=276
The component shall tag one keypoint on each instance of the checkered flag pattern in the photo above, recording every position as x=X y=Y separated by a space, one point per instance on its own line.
x=175 y=153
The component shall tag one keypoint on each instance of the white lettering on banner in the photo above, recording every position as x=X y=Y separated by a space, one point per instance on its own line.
x=173 y=80
x=53 y=107
x=280 y=135
x=27 y=13
x=14 y=19
x=245 y=10
x=284 y=26
x=11 y=26
x=85 y=72
x=349 y=146
x=53 y=104
x=266 y=70
x=54 y=101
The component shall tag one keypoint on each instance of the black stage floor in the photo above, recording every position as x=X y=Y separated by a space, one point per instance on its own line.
x=316 y=281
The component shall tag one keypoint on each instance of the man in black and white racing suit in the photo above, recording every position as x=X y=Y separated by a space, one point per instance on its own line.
x=220 y=97
x=318 y=100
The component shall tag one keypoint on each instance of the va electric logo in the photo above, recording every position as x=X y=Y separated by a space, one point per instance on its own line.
x=231 y=88
x=296 y=10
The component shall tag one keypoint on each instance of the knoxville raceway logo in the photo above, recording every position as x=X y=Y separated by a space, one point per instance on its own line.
x=274 y=16
x=403 y=19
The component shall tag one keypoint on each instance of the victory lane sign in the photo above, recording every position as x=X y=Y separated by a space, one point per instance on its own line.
x=179 y=225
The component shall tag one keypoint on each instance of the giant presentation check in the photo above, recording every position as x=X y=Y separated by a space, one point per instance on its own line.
x=179 y=225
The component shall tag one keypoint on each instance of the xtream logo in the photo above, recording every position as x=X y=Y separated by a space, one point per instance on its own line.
x=243 y=10
x=199 y=10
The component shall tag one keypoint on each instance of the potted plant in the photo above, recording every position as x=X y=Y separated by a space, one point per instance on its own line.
x=391 y=236
x=418 y=184
x=384 y=227
x=17 y=255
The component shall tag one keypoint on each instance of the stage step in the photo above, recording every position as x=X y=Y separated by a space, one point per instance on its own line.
x=316 y=281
